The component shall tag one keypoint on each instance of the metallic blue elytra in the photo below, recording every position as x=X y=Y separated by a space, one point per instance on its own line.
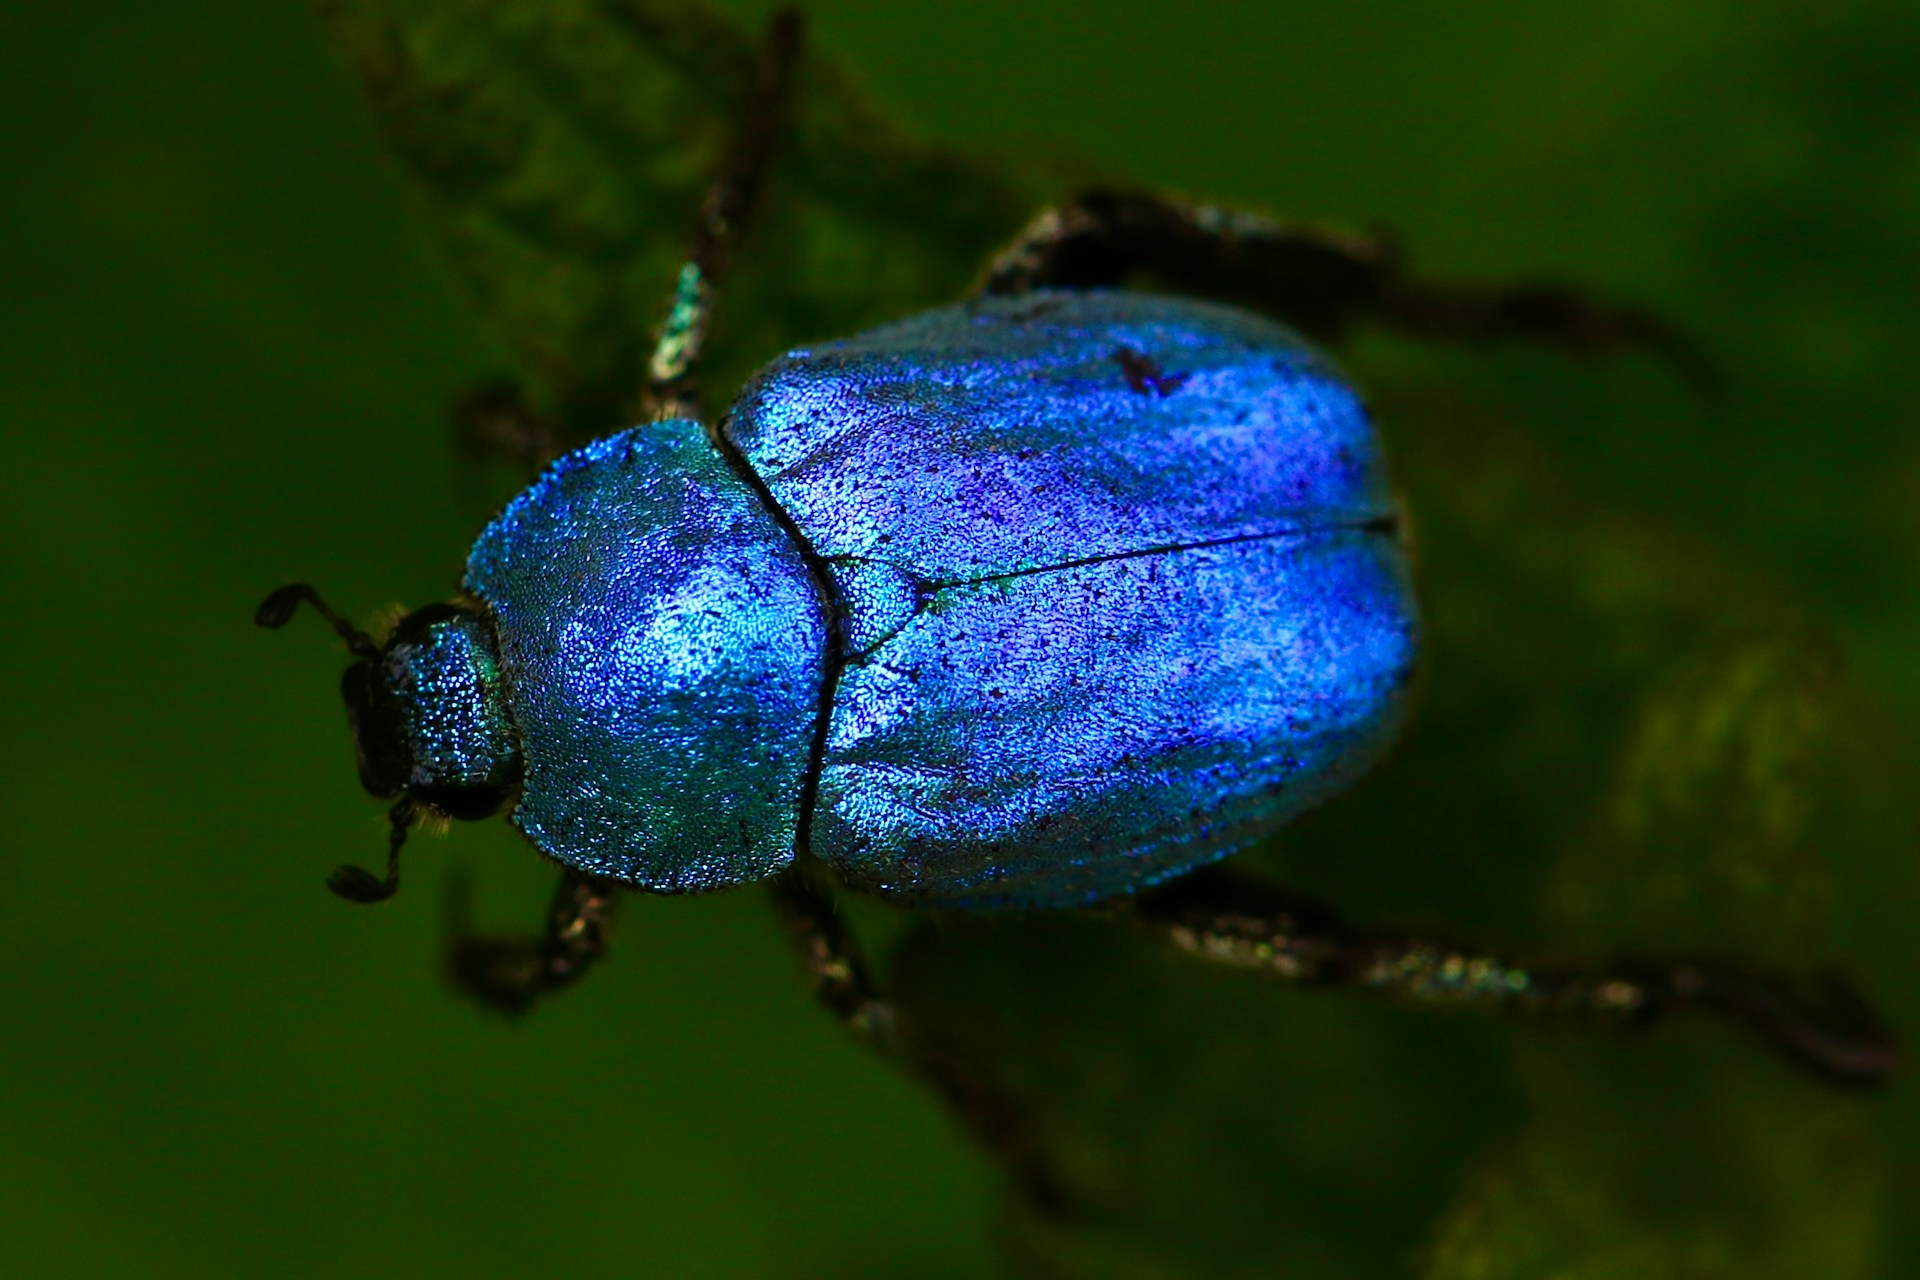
x=1022 y=602
x=1142 y=620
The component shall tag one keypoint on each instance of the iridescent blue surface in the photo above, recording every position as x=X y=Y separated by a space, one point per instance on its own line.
x=1119 y=592
x=663 y=647
x=1142 y=623
x=455 y=726
x=1003 y=435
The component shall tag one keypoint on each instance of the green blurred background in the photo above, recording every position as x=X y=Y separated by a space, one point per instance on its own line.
x=228 y=345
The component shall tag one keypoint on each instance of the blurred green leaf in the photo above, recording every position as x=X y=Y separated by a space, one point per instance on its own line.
x=1667 y=1176
x=562 y=146
x=1707 y=830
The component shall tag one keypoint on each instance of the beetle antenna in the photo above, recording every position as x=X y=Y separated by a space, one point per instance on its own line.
x=277 y=608
x=357 y=884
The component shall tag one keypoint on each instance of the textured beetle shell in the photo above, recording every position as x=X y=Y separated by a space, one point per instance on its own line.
x=1104 y=627
x=663 y=649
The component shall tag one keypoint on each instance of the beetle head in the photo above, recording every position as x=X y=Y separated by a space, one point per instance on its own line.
x=429 y=719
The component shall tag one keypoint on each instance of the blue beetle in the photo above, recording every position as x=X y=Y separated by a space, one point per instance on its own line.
x=953 y=604
x=1032 y=601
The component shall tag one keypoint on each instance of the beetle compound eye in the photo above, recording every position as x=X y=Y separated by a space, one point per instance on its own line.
x=377 y=724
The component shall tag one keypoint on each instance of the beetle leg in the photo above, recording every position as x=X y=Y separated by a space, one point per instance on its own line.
x=1221 y=918
x=509 y=973
x=671 y=390
x=841 y=980
x=1318 y=278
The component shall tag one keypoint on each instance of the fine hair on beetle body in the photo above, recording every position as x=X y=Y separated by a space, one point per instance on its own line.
x=1052 y=598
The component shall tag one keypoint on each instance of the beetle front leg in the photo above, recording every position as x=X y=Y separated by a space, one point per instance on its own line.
x=510 y=973
x=1231 y=921
x=671 y=391
x=1318 y=278
x=494 y=419
x=834 y=962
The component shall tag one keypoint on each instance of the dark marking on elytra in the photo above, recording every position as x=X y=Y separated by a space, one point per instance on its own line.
x=1143 y=373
